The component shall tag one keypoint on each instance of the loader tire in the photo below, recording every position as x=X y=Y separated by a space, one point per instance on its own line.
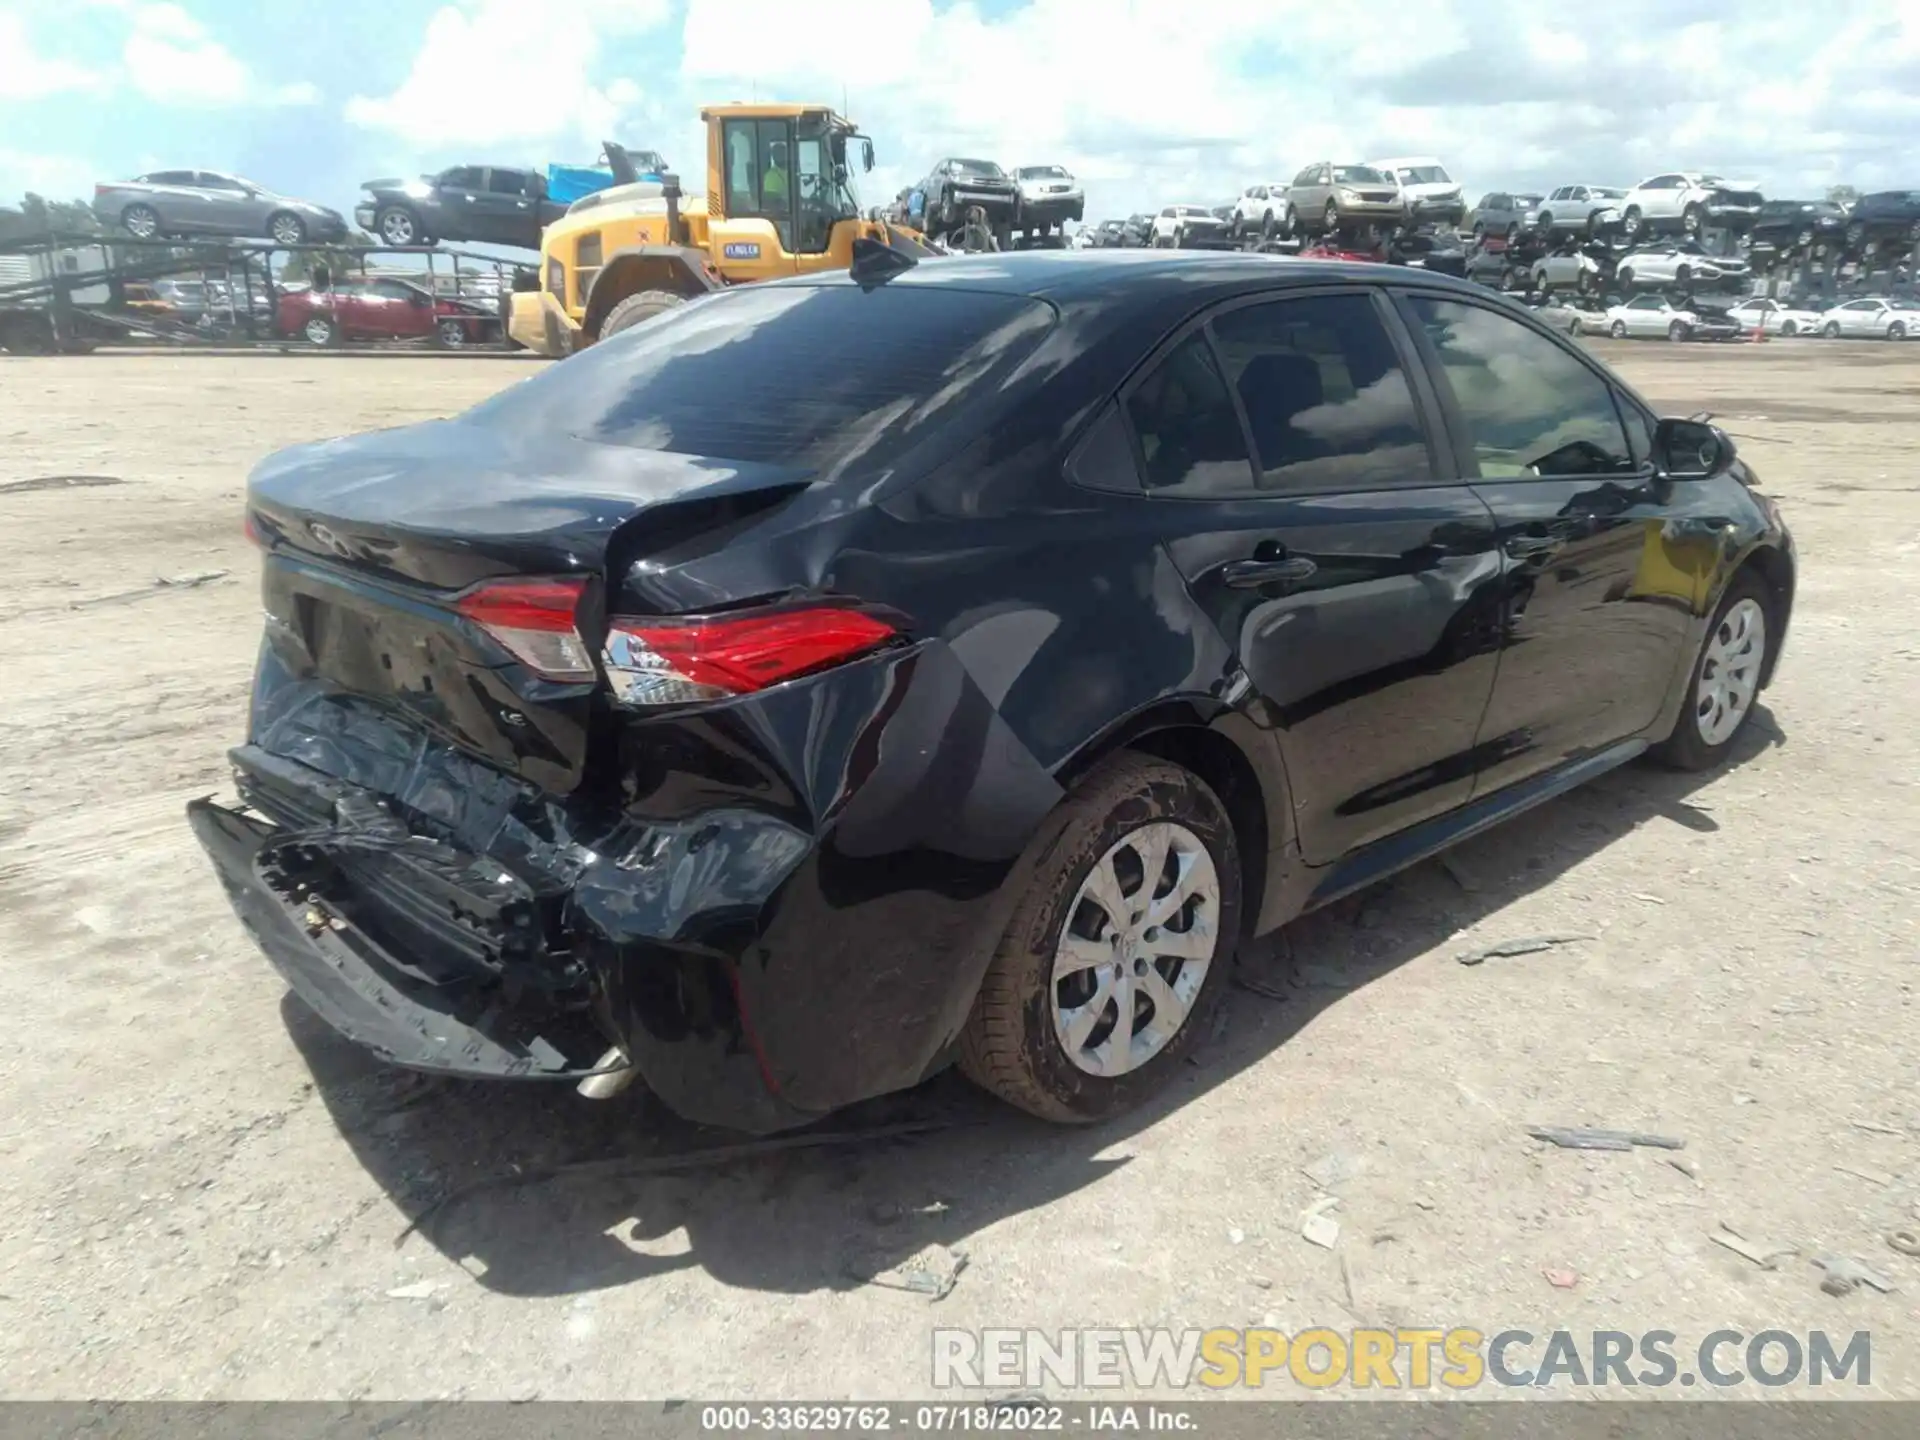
x=635 y=308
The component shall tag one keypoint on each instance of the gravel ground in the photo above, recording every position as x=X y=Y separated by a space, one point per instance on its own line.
x=208 y=1192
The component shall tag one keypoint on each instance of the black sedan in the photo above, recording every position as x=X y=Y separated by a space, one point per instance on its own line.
x=1078 y=619
x=1886 y=217
x=1788 y=225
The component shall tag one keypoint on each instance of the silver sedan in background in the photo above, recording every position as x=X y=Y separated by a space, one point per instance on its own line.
x=1579 y=207
x=206 y=202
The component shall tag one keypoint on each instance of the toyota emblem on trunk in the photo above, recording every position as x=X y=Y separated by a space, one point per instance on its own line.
x=332 y=541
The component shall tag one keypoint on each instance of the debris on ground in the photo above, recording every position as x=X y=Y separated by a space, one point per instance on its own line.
x=1866 y=1173
x=1578 y=1137
x=1317 y=1226
x=1262 y=969
x=1525 y=945
x=1876 y=1128
x=1646 y=899
x=418 y=1290
x=1334 y=1169
x=932 y=1272
x=1460 y=875
x=1767 y=1257
x=1236 y=1236
x=1560 y=1278
x=1907 y=1242
x=1686 y=1167
x=1260 y=1282
x=1346 y=1279
x=58 y=482
x=1846 y=1274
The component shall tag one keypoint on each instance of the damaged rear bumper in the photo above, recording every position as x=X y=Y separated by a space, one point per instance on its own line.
x=349 y=979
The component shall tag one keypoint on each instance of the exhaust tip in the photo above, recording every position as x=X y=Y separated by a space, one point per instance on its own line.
x=613 y=1073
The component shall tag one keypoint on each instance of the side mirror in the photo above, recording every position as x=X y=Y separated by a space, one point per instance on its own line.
x=1692 y=450
x=866 y=153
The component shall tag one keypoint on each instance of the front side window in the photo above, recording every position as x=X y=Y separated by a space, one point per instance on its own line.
x=1531 y=409
x=464 y=177
x=1324 y=393
x=1190 y=436
x=507 y=182
x=743 y=188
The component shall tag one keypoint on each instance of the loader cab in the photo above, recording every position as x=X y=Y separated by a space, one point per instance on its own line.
x=782 y=179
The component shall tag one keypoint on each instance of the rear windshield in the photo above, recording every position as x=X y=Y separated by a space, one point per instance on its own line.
x=825 y=378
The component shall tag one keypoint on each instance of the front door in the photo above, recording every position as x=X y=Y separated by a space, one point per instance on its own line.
x=1590 y=650
x=1315 y=523
x=755 y=239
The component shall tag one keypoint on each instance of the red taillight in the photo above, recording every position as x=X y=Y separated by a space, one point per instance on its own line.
x=250 y=527
x=536 y=620
x=672 y=661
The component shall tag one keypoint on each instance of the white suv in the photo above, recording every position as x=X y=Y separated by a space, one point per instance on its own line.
x=1432 y=195
x=1689 y=201
x=1262 y=209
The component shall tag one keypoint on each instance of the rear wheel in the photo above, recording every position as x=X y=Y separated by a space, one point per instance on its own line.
x=140 y=221
x=1332 y=217
x=1897 y=330
x=287 y=228
x=635 y=308
x=1725 y=679
x=398 y=226
x=1117 y=955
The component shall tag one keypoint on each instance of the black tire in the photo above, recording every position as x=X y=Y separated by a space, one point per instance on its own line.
x=1805 y=238
x=1686 y=748
x=1632 y=222
x=1831 y=330
x=1010 y=1046
x=141 y=221
x=635 y=308
x=1479 y=231
x=1682 y=274
x=1789 y=327
x=286 y=228
x=1856 y=235
x=1897 y=330
x=1268 y=225
x=1677 y=331
x=1618 y=330
x=1626 y=280
x=451 y=335
x=319 y=330
x=397 y=225
x=1180 y=238
x=1330 y=218
x=1692 y=221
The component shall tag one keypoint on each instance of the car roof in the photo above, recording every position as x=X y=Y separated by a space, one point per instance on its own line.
x=1067 y=275
x=1407 y=160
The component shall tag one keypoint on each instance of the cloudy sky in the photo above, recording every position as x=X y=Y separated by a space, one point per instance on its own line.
x=1149 y=101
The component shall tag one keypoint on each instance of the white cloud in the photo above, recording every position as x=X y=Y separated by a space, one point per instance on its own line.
x=56 y=177
x=171 y=59
x=1154 y=101
x=26 y=74
x=489 y=73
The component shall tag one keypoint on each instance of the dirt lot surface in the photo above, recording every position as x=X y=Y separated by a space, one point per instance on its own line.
x=205 y=1192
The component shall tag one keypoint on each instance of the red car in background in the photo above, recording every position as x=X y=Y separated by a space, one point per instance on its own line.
x=384 y=309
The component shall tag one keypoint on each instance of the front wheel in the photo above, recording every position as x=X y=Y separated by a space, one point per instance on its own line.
x=398 y=226
x=1725 y=679
x=1632 y=222
x=287 y=229
x=1618 y=330
x=1788 y=327
x=320 y=331
x=1118 y=953
x=142 y=222
x=1332 y=217
x=1693 y=220
x=635 y=308
x=1897 y=330
x=1831 y=330
x=1677 y=331
x=452 y=334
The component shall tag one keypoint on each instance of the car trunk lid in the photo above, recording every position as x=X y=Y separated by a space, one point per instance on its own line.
x=398 y=562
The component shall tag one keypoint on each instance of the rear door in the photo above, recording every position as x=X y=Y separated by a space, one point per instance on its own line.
x=1318 y=525
x=459 y=192
x=505 y=211
x=1589 y=653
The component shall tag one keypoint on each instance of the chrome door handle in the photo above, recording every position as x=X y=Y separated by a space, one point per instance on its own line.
x=1251 y=574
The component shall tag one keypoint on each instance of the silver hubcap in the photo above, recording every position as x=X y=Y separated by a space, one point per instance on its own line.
x=140 y=224
x=398 y=229
x=1139 y=938
x=1730 y=672
x=286 y=232
x=451 y=333
x=318 y=331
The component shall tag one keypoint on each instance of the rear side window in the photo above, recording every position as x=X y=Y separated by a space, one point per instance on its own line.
x=1324 y=394
x=1189 y=432
x=824 y=378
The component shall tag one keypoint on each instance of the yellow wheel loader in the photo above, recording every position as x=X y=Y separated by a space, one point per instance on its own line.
x=778 y=202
